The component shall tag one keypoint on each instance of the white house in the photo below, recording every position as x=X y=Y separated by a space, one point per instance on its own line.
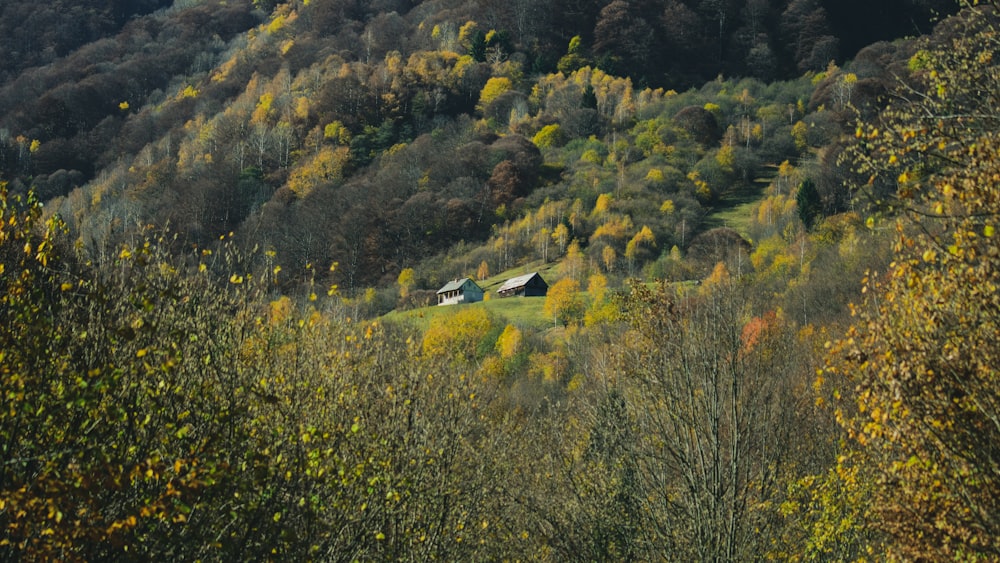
x=460 y=291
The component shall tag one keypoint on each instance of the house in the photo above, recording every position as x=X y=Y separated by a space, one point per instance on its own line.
x=528 y=285
x=459 y=291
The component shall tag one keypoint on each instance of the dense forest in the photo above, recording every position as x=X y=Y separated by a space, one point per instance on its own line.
x=767 y=226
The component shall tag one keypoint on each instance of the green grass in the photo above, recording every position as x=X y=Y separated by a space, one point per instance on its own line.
x=733 y=209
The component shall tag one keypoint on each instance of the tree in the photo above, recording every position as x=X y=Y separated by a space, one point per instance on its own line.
x=563 y=302
x=622 y=39
x=461 y=335
x=808 y=201
x=405 y=281
x=159 y=406
x=549 y=136
x=493 y=89
x=510 y=341
x=924 y=419
x=705 y=388
x=806 y=29
x=574 y=59
x=643 y=238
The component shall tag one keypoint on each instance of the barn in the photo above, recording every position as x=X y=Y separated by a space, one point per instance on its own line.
x=528 y=285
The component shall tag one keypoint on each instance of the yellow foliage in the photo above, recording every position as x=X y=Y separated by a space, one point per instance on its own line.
x=597 y=286
x=276 y=25
x=592 y=156
x=405 y=281
x=467 y=30
x=609 y=257
x=548 y=136
x=509 y=342
x=614 y=229
x=770 y=254
x=719 y=276
x=644 y=236
x=280 y=310
x=263 y=110
x=785 y=169
x=725 y=158
x=572 y=265
x=602 y=205
x=799 y=132
x=457 y=335
x=325 y=166
x=551 y=367
x=188 y=92
x=494 y=87
x=563 y=302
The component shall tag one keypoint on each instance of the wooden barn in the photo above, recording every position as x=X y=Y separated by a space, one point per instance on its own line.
x=528 y=285
x=460 y=291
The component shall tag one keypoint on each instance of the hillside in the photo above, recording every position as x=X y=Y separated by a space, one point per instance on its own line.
x=421 y=125
x=768 y=228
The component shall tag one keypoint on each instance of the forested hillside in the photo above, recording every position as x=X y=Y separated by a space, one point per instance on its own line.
x=214 y=117
x=767 y=227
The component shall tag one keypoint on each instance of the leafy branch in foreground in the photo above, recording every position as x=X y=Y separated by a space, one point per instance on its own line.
x=923 y=350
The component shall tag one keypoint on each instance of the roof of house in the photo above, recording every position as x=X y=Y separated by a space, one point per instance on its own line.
x=514 y=283
x=455 y=285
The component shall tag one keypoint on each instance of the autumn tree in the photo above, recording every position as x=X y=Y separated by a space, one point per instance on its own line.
x=405 y=281
x=924 y=419
x=704 y=385
x=563 y=302
x=162 y=407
